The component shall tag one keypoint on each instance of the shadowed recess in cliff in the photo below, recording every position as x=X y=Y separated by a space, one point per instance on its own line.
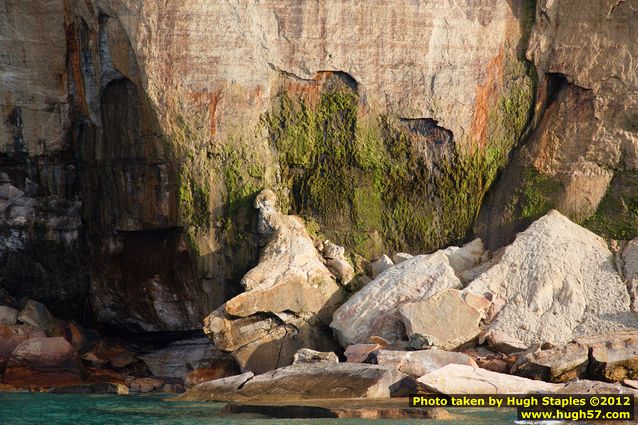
x=377 y=182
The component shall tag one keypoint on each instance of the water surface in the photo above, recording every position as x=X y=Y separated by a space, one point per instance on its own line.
x=58 y=409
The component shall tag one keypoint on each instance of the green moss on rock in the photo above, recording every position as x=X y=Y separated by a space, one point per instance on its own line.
x=617 y=214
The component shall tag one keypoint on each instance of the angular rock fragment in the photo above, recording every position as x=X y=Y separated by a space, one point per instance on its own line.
x=360 y=353
x=379 y=266
x=400 y=257
x=37 y=315
x=8 y=315
x=446 y=319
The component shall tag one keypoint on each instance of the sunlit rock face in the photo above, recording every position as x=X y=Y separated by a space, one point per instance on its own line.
x=136 y=131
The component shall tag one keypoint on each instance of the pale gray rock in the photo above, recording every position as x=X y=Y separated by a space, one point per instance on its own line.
x=337 y=263
x=8 y=315
x=421 y=362
x=500 y=342
x=306 y=355
x=373 y=311
x=556 y=281
x=462 y=379
x=379 y=266
x=465 y=257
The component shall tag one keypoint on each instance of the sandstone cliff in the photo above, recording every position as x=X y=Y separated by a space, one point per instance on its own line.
x=135 y=135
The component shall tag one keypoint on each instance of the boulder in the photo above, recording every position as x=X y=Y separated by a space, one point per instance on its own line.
x=374 y=309
x=203 y=374
x=400 y=257
x=37 y=315
x=306 y=355
x=8 y=315
x=12 y=336
x=556 y=364
x=463 y=379
x=422 y=362
x=379 y=266
x=44 y=362
x=289 y=300
x=80 y=338
x=215 y=389
x=446 y=319
x=145 y=385
x=556 y=281
x=360 y=353
x=121 y=360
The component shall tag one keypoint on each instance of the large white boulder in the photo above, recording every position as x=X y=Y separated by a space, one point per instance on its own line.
x=556 y=281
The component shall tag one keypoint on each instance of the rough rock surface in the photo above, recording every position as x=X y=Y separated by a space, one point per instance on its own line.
x=582 y=156
x=306 y=355
x=421 y=362
x=446 y=320
x=102 y=100
x=379 y=266
x=462 y=379
x=360 y=353
x=556 y=281
x=608 y=357
x=306 y=381
x=374 y=309
x=44 y=362
x=37 y=315
x=289 y=299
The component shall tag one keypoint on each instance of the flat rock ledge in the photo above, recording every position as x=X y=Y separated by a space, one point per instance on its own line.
x=396 y=408
x=307 y=381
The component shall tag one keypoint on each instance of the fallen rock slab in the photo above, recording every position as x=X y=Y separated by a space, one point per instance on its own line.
x=355 y=408
x=556 y=281
x=614 y=356
x=585 y=386
x=373 y=311
x=462 y=379
x=37 y=315
x=446 y=319
x=422 y=362
x=306 y=382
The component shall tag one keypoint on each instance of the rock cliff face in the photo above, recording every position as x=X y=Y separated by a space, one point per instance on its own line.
x=135 y=135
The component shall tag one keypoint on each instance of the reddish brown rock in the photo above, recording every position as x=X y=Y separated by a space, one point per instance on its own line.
x=145 y=385
x=44 y=362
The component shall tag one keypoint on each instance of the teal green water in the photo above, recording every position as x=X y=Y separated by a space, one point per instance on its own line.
x=58 y=409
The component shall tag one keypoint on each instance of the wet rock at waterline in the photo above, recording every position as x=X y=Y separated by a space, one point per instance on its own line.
x=289 y=300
